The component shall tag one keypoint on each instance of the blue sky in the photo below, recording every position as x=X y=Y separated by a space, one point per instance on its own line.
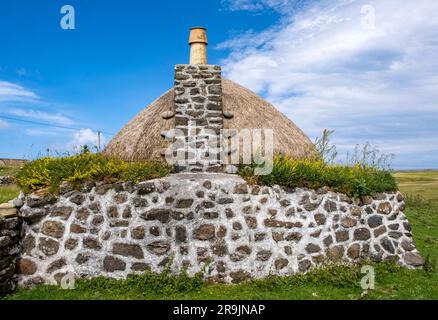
x=315 y=60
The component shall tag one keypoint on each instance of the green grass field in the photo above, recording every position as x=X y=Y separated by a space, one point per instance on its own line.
x=11 y=191
x=9 y=170
x=421 y=183
x=392 y=282
x=8 y=192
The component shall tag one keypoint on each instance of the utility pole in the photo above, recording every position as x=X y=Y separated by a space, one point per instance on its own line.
x=98 y=140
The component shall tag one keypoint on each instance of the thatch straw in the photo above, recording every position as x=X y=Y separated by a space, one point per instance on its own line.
x=141 y=138
x=252 y=112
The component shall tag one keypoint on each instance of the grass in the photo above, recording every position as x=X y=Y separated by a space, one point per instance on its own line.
x=8 y=193
x=9 y=170
x=353 y=180
x=49 y=172
x=328 y=282
x=422 y=183
x=421 y=190
x=392 y=281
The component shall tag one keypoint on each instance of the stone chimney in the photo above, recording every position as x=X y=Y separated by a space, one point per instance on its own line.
x=198 y=110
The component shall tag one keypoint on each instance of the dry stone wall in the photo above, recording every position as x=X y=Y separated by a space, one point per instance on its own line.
x=5 y=180
x=10 y=227
x=209 y=222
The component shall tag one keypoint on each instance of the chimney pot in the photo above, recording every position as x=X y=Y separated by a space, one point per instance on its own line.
x=198 y=45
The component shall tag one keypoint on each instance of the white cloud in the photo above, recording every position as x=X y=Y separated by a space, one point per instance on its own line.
x=243 y=5
x=324 y=70
x=13 y=97
x=55 y=118
x=14 y=92
x=259 y=5
x=4 y=124
x=85 y=137
x=41 y=132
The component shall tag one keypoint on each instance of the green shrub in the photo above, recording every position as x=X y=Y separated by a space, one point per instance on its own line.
x=49 y=172
x=355 y=180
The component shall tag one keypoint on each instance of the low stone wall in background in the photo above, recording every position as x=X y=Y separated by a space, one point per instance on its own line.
x=214 y=223
x=12 y=162
x=6 y=180
x=10 y=227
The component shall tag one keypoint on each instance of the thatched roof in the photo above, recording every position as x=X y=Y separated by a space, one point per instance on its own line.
x=141 y=138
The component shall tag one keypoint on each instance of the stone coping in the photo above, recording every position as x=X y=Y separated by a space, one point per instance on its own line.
x=9 y=213
x=8 y=210
x=212 y=176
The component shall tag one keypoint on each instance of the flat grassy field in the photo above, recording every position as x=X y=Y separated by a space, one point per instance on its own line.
x=8 y=193
x=9 y=170
x=392 y=281
x=11 y=191
x=421 y=183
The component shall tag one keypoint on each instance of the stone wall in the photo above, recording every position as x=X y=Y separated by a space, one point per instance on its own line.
x=9 y=247
x=198 y=116
x=12 y=162
x=6 y=180
x=207 y=221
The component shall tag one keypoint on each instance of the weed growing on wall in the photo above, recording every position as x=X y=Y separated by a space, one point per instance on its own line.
x=366 y=172
x=354 y=181
x=50 y=171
